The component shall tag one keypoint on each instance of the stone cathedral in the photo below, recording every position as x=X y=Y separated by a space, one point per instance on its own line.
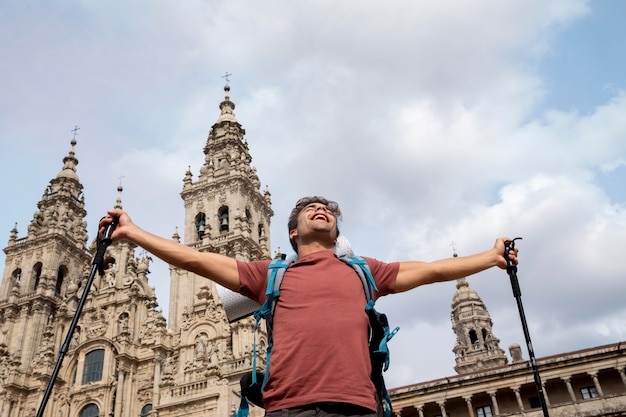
x=122 y=360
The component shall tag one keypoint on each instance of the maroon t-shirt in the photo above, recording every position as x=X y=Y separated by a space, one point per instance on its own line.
x=320 y=334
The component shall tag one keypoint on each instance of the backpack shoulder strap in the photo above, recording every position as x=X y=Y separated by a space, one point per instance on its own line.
x=275 y=274
x=380 y=332
x=362 y=269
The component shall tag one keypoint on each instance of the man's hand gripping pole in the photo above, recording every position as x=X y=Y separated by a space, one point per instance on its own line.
x=511 y=268
x=103 y=243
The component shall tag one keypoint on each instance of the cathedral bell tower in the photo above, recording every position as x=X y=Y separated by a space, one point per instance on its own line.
x=476 y=347
x=42 y=271
x=225 y=212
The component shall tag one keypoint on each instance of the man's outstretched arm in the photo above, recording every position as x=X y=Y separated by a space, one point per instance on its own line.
x=219 y=268
x=414 y=274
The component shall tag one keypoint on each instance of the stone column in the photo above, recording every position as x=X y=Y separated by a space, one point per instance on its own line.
x=470 y=409
x=494 y=402
x=135 y=323
x=155 y=384
x=518 y=397
x=6 y=407
x=623 y=375
x=128 y=394
x=569 y=389
x=119 y=393
x=596 y=382
x=420 y=411
x=34 y=337
x=442 y=408
x=18 y=343
x=545 y=394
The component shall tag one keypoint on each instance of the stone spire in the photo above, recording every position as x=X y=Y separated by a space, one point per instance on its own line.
x=43 y=271
x=476 y=347
x=225 y=210
x=61 y=210
x=226 y=213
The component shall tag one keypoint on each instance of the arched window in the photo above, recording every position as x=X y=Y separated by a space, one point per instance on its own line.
x=90 y=410
x=145 y=410
x=17 y=274
x=484 y=332
x=249 y=220
x=109 y=262
x=61 y=274
x=473 y=338
x=36 y=275
x=223 y=219
x=94 y=362
x=200 y=224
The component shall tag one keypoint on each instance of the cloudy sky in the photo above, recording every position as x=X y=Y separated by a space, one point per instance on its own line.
x=429 y=122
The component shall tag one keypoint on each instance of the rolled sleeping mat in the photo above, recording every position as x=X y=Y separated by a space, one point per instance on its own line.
x=238 y=306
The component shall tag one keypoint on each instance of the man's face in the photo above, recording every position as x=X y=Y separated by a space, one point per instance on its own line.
x=316 y=218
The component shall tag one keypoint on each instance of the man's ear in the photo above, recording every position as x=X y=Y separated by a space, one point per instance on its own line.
x=293 y=234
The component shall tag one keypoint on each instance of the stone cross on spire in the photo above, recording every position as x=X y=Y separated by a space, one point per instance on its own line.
x=75 y=131
x=225 y=76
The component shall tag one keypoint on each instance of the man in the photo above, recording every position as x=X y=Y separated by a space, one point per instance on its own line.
x=320 y=360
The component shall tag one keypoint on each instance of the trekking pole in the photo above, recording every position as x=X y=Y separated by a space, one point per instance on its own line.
x=96 y=265
x=511 y=269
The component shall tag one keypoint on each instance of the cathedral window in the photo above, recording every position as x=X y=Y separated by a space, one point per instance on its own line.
x=223 y=219
x=36 y=275
x=17 y=275
x=589 y=393
x=90 y=410
x=473 y=338
x=94 y=362
x=109 y=262
x=145 y=411
x=249 y=221
x=200 y=224
x=61 y=274
x=484 y=411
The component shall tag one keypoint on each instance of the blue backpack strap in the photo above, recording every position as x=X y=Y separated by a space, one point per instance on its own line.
x=244 y=408
x=362 y=269
x=275 y=274
x=380 y=333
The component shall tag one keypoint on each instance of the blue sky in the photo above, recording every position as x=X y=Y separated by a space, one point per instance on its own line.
x=585 y=67
x=428 y=122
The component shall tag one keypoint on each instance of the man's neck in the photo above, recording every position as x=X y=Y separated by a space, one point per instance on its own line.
x=312 y=247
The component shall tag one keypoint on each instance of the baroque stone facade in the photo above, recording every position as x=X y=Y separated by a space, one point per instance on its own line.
x=124 y=361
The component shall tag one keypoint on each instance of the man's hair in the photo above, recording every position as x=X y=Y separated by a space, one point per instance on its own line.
x=302 y=203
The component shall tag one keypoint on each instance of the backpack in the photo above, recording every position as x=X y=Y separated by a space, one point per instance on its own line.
x=253 y=383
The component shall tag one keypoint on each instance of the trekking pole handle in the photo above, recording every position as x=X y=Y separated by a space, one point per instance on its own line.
x=108 y=231
x=103 y=243
x=511 y=268
x=509 y=245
